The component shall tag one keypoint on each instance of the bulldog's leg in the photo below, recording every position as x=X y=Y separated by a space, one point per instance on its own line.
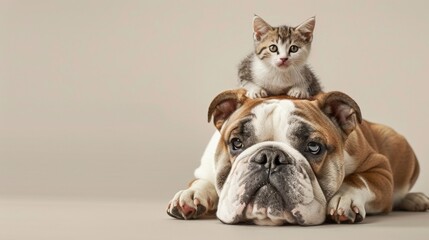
x=366 y=191
x=200 y=198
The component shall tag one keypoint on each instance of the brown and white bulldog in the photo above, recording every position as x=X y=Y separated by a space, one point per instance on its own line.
x=278 y=161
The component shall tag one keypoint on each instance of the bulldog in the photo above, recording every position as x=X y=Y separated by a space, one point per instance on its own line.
x=277 y=160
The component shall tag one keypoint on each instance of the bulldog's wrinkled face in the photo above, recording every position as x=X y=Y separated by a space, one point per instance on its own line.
x=278 y=161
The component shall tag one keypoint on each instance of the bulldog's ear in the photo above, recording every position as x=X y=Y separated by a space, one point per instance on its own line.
x=342 y=110
x=224 y=104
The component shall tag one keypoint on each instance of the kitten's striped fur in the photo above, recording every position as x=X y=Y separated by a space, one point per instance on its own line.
x=278 y=65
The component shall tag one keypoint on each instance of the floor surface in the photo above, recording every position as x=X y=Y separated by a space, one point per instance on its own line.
x=99 y=219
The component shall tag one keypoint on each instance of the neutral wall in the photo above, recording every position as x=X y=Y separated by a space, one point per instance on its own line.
x=108 y=99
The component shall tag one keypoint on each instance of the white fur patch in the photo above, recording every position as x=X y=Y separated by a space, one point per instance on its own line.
x=349 y=197
x=206 y=170
x=278 y=80
x=399 y=194
x=271 y=120
x=349 y=163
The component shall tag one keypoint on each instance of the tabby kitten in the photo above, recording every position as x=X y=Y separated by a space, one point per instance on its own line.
x=278 y=65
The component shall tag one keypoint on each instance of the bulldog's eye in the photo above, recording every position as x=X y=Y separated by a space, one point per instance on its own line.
x=314 y=148
x=293 y=49
x=273 y=48
x=236 y=143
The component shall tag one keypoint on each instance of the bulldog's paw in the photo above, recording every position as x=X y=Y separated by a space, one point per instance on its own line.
x=414 y=202
x=189 y=204
x=256 y=92
x=298 y=92
x=343 y=208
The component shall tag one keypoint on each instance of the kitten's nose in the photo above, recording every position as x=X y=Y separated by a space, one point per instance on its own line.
x=283 y=59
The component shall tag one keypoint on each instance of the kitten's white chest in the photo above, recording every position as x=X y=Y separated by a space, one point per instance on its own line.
x=274 y=80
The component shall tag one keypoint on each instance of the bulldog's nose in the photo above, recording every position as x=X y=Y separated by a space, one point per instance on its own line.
x=271 y=158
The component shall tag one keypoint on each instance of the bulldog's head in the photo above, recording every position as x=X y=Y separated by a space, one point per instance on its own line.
x=279 y=160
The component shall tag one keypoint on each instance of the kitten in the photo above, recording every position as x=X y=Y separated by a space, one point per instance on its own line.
x=278 y=65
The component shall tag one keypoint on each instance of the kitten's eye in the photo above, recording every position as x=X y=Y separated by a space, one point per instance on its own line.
x=273 y=48
x=236 y=144
x=293 y=49
x=314 y=148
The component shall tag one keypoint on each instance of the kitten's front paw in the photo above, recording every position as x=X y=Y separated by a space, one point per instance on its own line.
x=346 y=208
x=256 y=92
x=298 y=92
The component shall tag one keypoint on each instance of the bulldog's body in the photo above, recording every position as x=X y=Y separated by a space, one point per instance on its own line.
x=279 y=160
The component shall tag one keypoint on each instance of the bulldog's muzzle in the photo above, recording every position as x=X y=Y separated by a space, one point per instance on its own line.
x=271 y=183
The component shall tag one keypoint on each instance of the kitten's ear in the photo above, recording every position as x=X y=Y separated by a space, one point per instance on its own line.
x=341 y=109
x=306 y=28
x=224 y=104
x=260 y=27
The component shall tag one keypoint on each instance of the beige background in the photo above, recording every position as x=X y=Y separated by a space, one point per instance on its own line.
x=107 y=100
